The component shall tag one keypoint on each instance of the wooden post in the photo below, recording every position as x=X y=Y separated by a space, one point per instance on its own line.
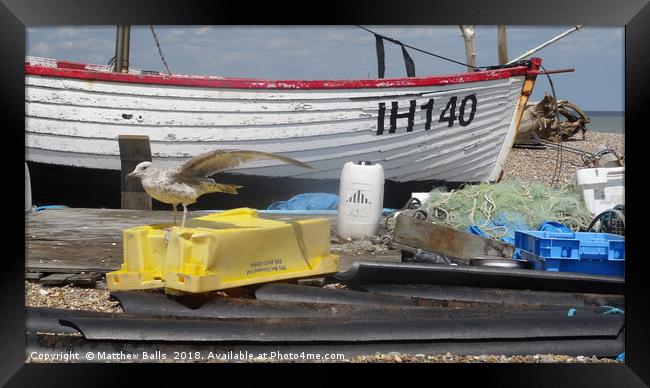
x=134 y=149
x=122 y=44
x=470 y=48
x=447 y=241
x=502 y=45
x=118 y=49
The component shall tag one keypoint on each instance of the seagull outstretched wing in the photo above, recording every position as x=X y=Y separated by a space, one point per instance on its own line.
x=209 y=163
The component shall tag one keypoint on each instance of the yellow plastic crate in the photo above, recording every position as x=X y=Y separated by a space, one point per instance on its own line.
x=223 y=250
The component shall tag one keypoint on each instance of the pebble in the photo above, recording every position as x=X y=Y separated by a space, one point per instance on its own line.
x=72 y=298
x=528 y=165
x=485 y=358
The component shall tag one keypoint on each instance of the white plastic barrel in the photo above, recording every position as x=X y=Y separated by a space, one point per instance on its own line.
x=28 y=190
x=361 y=199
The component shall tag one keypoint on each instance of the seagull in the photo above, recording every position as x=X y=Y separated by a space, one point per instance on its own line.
x=187 y=182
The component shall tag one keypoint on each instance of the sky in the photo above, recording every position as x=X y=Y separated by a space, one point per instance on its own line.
x=348 y=52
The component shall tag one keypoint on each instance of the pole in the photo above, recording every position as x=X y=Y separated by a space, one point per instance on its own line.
x=118 y=50
x=502 y=45
x=536 y=49
x=470 y=49
x=122 y=43
x=134 y=149
x=126 y=43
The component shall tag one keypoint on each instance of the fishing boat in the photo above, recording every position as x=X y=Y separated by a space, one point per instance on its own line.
x=430 y=130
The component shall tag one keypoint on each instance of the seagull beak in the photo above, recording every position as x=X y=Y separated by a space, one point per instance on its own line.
x=131 y=175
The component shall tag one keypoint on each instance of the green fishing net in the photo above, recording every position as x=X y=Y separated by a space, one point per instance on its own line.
x=501 y=208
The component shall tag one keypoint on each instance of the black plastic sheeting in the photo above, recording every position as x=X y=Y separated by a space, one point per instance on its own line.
x=296 y=293
x=295 y=301
x=375 y=272
x=44 y=344
x=281 y=304
x=494 y=295
x=46 y=320
x=604 y=326
x=144 y=303
x=410 y=295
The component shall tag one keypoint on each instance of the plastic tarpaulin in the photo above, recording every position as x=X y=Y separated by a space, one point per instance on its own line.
x=308 y=201
x=313 y=201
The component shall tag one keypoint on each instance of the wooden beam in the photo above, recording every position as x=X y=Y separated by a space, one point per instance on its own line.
x=33 y=276
x=126 y=43
x=122 y=43
x=502 y=45
x=447 y=241
x=118 y=49
x=134 y=149
x=57 y=279
x=83 y=279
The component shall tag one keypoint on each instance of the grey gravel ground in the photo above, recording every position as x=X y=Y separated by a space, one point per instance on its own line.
x=538 y=165
x=68 y=297
x=448 y=357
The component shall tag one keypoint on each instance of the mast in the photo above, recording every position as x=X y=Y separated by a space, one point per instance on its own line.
x=536 y=49
x=467 y=31
x=122 y=43
x=502 y=45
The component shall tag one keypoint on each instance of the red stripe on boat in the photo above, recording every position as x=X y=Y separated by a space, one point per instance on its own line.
x=70 y=65
x=78 y=71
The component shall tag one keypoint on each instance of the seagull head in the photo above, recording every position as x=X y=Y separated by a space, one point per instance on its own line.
x=141 y=170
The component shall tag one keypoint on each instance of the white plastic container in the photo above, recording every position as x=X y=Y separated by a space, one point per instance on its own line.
x=423 y=197
x=602 y=188
x=28 y=190
x=361 y=199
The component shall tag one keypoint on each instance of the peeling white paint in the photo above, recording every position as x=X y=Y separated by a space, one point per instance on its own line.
x=76 y=122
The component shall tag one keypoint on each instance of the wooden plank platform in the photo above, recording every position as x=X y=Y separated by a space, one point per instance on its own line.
x=56 y=279
x=84 y=279
x=90 y=240
x=33 y=276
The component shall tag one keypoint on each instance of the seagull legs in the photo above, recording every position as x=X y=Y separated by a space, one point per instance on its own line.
x=174 y=212
x=184 y=216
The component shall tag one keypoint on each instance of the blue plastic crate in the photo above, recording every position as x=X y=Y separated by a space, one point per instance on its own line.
x=596 y=267
x=578 y=245
x=596 y=253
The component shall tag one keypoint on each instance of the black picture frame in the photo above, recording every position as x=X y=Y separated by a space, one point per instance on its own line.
x=16 y=15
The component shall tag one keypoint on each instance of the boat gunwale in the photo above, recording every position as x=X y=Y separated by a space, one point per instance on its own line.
x=65 y=69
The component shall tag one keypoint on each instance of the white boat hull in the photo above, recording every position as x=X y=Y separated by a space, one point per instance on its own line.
x=75 y=122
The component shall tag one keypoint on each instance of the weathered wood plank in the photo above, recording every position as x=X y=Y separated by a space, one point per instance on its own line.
x=439 y=239
x=133 y=150
x=33 y=276
x=82 y=239
x=71 y=268
x=56 y=279
x=90 y=240
x=83 y=279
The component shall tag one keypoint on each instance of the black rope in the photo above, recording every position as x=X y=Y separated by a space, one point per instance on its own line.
x=392 y=40
x=408 y=62
x=557 y=171
x=155 y=37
